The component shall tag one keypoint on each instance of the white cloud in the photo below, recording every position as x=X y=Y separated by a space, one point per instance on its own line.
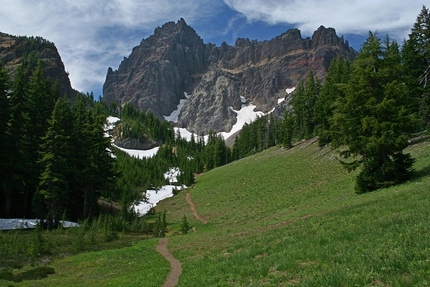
x=92 y=35
x=395 y=17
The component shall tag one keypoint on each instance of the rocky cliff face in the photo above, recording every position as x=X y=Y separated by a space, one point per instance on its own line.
x=175 y=60
x=14 y=51
x=158 y=71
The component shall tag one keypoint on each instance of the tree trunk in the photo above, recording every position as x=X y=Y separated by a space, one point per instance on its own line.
x=85 y=214
x=7 y=192
x=50 y=211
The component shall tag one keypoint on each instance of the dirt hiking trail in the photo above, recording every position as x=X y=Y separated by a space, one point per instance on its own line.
x=175 y=265
x=194 y=209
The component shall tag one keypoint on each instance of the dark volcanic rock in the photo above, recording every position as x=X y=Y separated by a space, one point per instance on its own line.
x=139 y=144
x=175 y=60
x=159 y=70
x=13 y=51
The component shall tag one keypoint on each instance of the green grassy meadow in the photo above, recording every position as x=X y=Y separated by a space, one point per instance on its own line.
x=278 y=218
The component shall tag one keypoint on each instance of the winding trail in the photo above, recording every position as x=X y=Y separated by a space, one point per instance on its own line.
x=194 y=209
x=175 y=266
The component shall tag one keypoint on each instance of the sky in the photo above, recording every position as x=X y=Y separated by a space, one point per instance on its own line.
x=93 y=35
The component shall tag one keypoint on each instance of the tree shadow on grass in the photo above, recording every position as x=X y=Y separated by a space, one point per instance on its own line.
x=421 y=173
x=425 y=171
x=36 y=273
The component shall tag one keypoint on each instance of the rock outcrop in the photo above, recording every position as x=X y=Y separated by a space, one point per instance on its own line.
x=15 y=50
x=174 y=61
x=139 y=144
x=158 y=71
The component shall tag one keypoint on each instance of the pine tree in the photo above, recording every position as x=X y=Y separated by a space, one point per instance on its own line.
x=80 y=151
x=416 y=56
x=5 y=143
x=286 y=129
x=160 y=225
x=297 y=103
x=18 y=133
x=312 y=91
x=53 y=190
x=99 y=172
x=4 y=104
x=373 y=118
x=185 y=226
x=209 y=152
x=272 y=131
x=40 y=103
x=303 y=103
x=333 y=89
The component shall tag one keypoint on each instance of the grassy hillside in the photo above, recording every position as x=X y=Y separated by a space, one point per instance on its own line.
x=291 y=217
x=279 y=218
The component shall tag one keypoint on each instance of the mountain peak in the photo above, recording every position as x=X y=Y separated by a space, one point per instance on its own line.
x=175 y=61
x=182 y=22
x=327 y=37
x=172 y=28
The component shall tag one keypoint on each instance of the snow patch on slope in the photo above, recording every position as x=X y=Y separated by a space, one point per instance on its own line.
x=140 y=154
x=17 y=223
x=174 y=116
x=153 y=196
x=288 y=91
x=245 y=115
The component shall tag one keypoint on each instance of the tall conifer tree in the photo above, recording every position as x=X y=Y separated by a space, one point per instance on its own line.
x=5 y=143
x=19 y=137
x=373 y=118
x=80 y=157
x=41 y=98
x=53 y=195
x=416 y=56
x=99 y=172
x=333 y=88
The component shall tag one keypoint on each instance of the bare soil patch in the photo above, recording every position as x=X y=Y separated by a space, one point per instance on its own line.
x=194 y=209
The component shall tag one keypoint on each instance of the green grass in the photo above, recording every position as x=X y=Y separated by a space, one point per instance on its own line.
x=138 y=265
x=278 y=218
x=291 y=218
